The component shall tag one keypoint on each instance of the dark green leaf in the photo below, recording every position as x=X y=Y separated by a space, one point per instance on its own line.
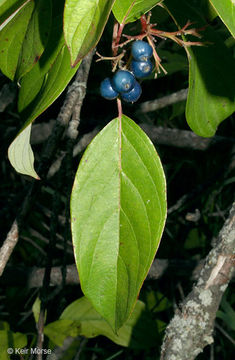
x=211 y=97
x=172 y=62
x=32 y=82
x=139 y=331
x=118 y=211
x=54 y=82
x=59 y=330
x=9 y=7
x=128 y=10
x=24 y=38
x=11 y=340
x=84 y=21
x=36 y=37
x=226 y=11
x=12 y=38
x=227 y=315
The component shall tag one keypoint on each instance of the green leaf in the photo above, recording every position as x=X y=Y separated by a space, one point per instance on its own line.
x=36 y=37
x=12 y=38
x=128 y=10
x=9 y=7
x=118 y=212
x=59 y=330
x=24 y=38
x=36 y=310
x=174 y=62
x=227 y=315
x=84 y=21
x=211 y=97
x=54 y=82
x=20 y=154
x=226 y=11
x=139 y=332
x=32 y=82
x=12 y=340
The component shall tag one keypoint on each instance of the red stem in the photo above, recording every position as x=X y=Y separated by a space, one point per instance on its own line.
x=143 y=21
x=119 y=105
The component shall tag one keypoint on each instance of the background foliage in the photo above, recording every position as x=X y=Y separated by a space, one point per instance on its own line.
x=205 y=180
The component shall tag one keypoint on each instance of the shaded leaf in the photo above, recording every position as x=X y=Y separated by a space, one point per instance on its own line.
x=36 y=37
x=84 y=21
x=20 y=153
x=139 y=331
x=128 y=10
x=211 y=96
x=226 y=11
x=118 y=211
x=12 y=38
x=172 y=62
x=54 y=82
x=12 y=340
x=24 y=38
x=9 y=7
x=227 y=315
x=32 y=82
x=36 y=310
x=59 y=330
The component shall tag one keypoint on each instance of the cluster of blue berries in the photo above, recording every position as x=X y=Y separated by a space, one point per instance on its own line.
x=124 y=82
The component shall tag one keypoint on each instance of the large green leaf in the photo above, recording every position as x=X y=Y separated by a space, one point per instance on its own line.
x=12 y=38
x=84 y=21
x=32 y=82
x=226 y=11
x=9 y=7
x=128 y=10
x=54 y=82
x=80 y=318
x=24 y=38
x=118 y=212
x=36 y=37
x=211 y=97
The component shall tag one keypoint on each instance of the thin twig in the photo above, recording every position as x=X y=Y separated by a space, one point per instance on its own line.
x=225 y=333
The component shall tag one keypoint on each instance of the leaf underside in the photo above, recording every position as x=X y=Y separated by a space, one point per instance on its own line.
x=118 y=212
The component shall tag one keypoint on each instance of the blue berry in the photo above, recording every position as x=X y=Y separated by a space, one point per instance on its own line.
x=141 y=69
x=141 y=50
x=132 y=95
x=107 y=90
x=123 y=81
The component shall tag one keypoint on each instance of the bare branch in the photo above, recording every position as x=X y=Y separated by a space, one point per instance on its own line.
x=191 y=328
x=181 y=138
x=8 y=245
x=160 y=103
x=33 y=277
